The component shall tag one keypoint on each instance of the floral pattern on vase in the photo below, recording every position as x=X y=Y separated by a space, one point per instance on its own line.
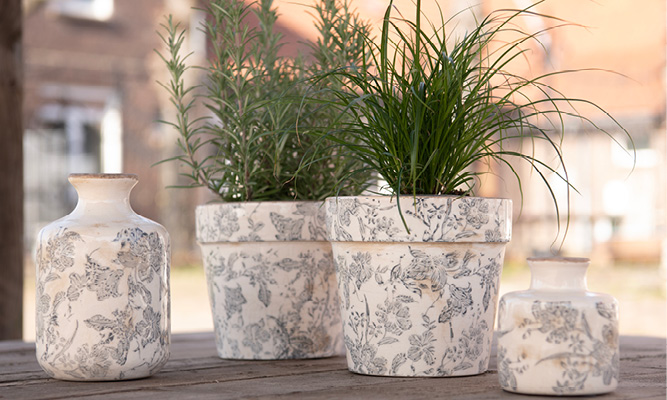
x=558 y=338
x=271 y=280
x=420 y=303
x=102 y=290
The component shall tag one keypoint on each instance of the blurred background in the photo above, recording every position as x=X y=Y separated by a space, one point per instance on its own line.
x=92 y=103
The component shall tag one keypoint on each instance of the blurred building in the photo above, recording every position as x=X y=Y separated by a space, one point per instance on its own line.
x=90 y=100
x=619 y=214
x=92 y=105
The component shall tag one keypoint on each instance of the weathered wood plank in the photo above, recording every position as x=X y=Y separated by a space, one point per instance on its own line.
x=11 y=176
x=194 y=371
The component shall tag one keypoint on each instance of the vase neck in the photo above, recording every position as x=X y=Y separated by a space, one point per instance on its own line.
x=558 y=273
x=105 y=194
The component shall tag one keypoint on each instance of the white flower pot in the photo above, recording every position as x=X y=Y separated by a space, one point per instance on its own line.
x=556 y=338
x=420 y=303
x=102 y=287
x=271 y=280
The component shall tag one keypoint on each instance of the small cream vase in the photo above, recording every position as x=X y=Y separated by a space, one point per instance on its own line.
x=557 y=338
x=102 y=287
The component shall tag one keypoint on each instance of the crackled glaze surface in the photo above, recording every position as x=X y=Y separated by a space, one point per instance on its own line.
x=271 y=280
x=557 y=338
x=420 y=303
x=102 y=287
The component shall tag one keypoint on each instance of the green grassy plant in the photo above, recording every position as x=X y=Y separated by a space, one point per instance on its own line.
x=423 y=111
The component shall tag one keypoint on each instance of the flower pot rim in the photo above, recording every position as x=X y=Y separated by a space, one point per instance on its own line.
x=568 y=260
x=216 y=203
x=419 y=196
x=429 y=218
x=260 y=221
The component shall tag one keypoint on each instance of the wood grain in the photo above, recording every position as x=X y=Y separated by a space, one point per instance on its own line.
x=195 y=371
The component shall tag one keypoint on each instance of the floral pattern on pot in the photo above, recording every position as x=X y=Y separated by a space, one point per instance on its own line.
x=260 y=222
x=271 y=280
x=418 y=310
x=102 y=305
x=429 y=218
x=418 y=304
x=558 y=347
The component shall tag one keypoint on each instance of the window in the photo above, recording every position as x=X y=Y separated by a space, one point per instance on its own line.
x=622 y=153
x=96 y=10
x=75 y=129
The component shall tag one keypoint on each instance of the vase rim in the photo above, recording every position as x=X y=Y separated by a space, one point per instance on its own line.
x=103 y=176
x=573 y=260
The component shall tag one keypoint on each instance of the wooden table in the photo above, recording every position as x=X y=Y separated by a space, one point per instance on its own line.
x=195 y=371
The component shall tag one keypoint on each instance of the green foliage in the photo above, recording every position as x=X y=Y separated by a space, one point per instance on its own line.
x=251 y=145
x=424 y=112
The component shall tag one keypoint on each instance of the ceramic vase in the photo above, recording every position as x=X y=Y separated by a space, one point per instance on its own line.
x=557 y=338
x=271 y=280
x=102 y=277
x=423 y=302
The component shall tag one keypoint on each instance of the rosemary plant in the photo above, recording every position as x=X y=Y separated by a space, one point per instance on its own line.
x=341 y=44
x=250 y=145
x=422 y=111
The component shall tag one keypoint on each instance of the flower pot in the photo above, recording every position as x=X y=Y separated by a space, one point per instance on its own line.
x=102 y=287
x=420 y=303
x=271 y=280
x=556 y=338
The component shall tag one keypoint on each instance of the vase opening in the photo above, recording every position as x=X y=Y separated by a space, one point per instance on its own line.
x=558 y=273
x=103 y=187
x=559 y=259
x=110 y=189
